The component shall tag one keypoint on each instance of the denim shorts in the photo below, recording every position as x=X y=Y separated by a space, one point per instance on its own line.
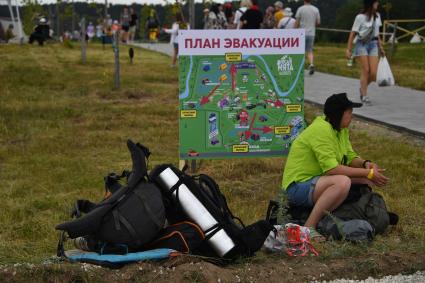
x=301 y=193
x=366 y=49
x=309 y=42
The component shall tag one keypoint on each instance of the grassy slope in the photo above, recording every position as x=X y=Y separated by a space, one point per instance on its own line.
x=62 y=129
x=407 y=63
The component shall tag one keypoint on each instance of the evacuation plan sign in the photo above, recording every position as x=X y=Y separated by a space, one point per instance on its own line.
x=241 y=92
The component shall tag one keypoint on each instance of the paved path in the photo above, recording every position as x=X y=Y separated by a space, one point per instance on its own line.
x=398 y=107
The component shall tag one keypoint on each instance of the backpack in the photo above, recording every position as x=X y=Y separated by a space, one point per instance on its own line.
x=131 y=215
x=369 y=206
x=354 y=230
x=366 y=35
x=361 y=203
x=199 y=199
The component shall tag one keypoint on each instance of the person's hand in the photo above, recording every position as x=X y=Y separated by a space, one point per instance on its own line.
x=379 y=179
x=348 y=53
x=382 y=50
x=370 y=165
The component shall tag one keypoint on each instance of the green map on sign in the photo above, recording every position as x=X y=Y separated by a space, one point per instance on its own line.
x=240 y=105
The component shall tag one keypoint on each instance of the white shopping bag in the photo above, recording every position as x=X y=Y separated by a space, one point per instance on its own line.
x=384 y=76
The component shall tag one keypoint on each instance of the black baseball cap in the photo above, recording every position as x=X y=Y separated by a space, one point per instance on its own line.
x=339 y=103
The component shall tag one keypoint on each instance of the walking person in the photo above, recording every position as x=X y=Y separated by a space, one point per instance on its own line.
x=268 y=21
x=125 y=24
x=253 y=17
x=287 y=22
x=216 y=18
x=133 y=25
x=367 y=44
x=245 y=4
x=174 y=32
x=308 y=17
x=278 y=14
x=152 y=25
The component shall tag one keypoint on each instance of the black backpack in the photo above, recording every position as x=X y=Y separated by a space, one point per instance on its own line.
x=132 y=215
x=247 y=239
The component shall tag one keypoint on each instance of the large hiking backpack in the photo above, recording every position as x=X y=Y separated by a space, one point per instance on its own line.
x=199 y=199
x=361 y=203
x=131 y=215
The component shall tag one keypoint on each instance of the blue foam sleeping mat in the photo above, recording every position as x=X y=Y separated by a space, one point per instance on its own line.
x=114 y=260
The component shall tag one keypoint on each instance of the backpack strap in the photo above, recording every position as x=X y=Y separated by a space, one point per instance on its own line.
x=148 y=209
x=215 y=195
x=118 y=218
x=139 y=155
x=82 y=205
x=286 y=23
x=112 y=183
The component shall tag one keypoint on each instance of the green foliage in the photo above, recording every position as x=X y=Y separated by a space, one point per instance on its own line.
x=345 y=14
x=144 y=14
x=32 y=10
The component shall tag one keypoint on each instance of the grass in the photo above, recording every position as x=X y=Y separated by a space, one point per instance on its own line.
x=407 y=63
x=62 y=129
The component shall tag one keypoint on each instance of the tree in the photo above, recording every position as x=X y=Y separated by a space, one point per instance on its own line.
x=32 y=11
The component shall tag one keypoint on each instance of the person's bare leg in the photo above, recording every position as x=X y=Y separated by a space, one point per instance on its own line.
x=363 y=181
x=364 y=74
x=310 y=57
x=175 y=57
x=373 y=68
x=329 y=193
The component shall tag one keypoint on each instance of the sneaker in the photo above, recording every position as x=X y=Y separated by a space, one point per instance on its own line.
x=311 y=69
x=316 y=236
x=366 y=101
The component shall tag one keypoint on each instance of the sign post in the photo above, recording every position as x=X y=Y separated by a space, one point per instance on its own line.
x=115 y=46
x=241 y=92
x=83 y=40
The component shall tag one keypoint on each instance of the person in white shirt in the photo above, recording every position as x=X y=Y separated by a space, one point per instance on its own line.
x=287 y=22
x=245 y=5
x=367 y=44
x=308 y=17
x=174 y=32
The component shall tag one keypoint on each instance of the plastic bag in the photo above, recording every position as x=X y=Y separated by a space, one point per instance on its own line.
x=276 y=241
x=298 y=240
x=292 y=239
x=384 y=76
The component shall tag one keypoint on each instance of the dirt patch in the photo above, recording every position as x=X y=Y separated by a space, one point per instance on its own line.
x=127 y=96
x=265 y=268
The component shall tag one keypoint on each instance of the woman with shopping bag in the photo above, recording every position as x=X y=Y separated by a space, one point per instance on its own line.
x=367 y=45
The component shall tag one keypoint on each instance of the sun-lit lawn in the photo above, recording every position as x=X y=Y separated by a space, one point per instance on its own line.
x=62 y=129
x=407 y=63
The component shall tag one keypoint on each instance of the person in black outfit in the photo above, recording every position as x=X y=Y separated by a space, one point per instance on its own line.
x=253 y=17
x=133 y=24
x=41 y=32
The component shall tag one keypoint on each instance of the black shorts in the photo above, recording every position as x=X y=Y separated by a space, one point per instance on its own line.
x=126 y=28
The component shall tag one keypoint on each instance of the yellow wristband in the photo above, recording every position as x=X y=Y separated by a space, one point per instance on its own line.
x=371 y=174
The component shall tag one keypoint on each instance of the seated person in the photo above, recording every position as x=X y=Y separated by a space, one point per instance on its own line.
x=9 y=33
x=322 y=165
